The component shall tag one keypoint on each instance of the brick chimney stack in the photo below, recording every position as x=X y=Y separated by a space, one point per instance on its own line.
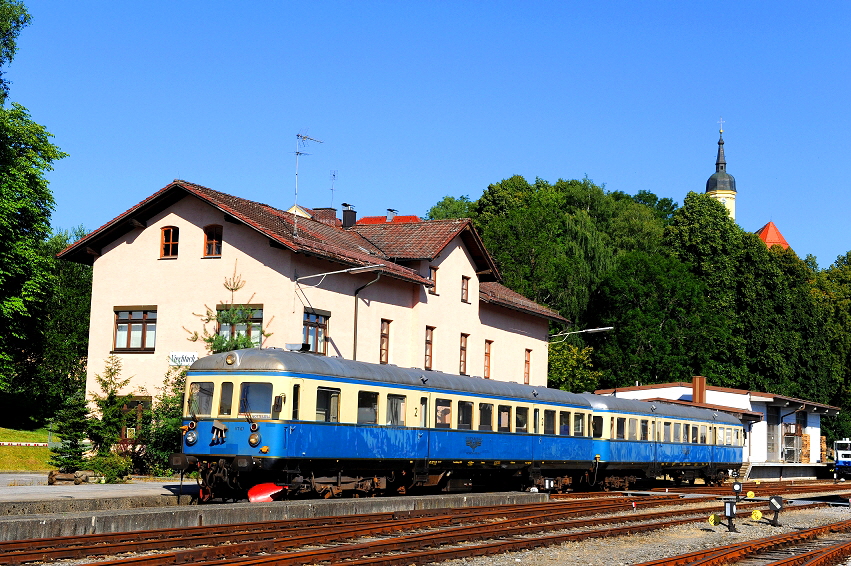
x=350 y=217
x=325 y=215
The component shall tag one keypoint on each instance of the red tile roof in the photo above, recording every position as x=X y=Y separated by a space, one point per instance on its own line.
x=383 y=219
x=494 y=293
x=771 y=235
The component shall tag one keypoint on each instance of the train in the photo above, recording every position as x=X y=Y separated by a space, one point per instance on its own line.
x=272 y=424
x=842 y=458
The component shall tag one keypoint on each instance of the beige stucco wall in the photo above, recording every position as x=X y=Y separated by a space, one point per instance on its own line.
x=130 y=273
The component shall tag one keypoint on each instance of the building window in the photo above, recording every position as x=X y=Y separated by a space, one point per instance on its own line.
x=465 y=289
x=463 y=365
x=253 y=328
x=135 y=330
x=384 y=344
x=429 y=339
x=212 y=240
x=169 y=238
x=488 y=344
x=432 y=276
x=315 y=333
x=526 y=366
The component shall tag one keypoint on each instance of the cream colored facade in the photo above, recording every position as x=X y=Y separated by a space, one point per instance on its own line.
x=130 y=275
x=727 y=198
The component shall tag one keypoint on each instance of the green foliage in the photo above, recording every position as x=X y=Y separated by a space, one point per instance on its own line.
x=113 y=467
x=13 y=18
x=162 y=435
x=233 y=316
x=71 y=426
x=451 y=207
x=571 y=368
x=105 y=427
x=26 y=154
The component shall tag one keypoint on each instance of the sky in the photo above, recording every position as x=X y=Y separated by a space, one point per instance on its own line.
x=413 y=101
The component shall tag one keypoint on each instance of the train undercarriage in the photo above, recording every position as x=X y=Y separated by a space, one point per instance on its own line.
x=272 y=479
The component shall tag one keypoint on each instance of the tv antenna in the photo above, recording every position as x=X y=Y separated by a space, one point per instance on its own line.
x=301 y=140
x=333 y=180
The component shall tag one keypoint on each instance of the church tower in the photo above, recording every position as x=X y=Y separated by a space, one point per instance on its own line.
x=722 y=186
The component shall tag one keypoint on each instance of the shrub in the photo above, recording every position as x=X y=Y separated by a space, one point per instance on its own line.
x=113 y=467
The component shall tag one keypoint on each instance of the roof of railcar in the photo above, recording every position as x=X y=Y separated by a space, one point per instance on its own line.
x=619 y=404
x=273 y=359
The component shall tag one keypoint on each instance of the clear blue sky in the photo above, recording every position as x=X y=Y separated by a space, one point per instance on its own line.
x=418 y=100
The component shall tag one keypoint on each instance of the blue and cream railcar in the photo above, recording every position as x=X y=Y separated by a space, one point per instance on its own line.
x=635 y=439
x=842 y=457
x=325 y=425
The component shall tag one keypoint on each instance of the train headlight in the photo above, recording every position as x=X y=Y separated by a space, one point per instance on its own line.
x=254 y=439
x=191 y=437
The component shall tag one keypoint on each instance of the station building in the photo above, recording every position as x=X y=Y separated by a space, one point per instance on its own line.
x=783 y=437
x=394 y=289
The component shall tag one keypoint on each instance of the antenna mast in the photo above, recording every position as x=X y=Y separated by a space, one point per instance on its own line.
x=300 y=139
x=333 y=180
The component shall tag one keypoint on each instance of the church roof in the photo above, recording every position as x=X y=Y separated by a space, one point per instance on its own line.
x=771 y=235
x=721 y=180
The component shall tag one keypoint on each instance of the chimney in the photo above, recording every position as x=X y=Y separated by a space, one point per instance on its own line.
x=325 y=215
x=698 y=389
x=391 y=214
x=349 y=215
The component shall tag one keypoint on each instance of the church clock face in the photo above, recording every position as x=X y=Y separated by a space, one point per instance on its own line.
x=723 y=201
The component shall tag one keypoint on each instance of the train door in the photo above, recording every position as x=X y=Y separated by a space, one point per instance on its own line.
x=422 y=413
x=293 y=410
x=656 y=446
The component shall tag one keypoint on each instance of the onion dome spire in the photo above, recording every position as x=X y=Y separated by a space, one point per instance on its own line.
x=721 y=180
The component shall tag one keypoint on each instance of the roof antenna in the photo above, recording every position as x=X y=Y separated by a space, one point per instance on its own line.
x=333 y=180
x=300 y=140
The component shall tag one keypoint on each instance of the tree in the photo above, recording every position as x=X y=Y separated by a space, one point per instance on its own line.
x=161 y=434
x=451 y=207
x=227 y=322
x=571 y=368
x=71 y=426
x=13 y=18
x=105 y=427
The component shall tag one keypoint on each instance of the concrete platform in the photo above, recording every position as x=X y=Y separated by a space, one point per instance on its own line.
x=40 y=511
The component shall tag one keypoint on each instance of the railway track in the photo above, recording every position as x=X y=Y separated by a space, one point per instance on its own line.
x=385 y=538
x=820 y=546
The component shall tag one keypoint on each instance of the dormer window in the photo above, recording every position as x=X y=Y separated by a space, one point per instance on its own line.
x=213 y=240
x=168 y=241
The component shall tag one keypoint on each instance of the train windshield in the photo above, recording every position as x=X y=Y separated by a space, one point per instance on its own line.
x=255 y=400
x=200 y=398
x=843 y=446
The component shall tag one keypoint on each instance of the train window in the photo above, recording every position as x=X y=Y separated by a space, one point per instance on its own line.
x=327 y=405
x=685 y=432
x=396 y=410
x=703 y=434
x=597 y=427
x=694 y=433
x=442 y=413
x=226 y=398
x=367 y=407
x=736 y=437
x=677 y=432
x=564 y=423
x=644 y=430
x=633 y=429
x=549 y=422
x=465 y=415
x=255 y=400
x=424 y=412
x=536 y=419
x=729 y=439
x=620 y=424
x=486 y=416
x=200 y=398
x=296 y=391
x=578 y=424
x=666 y=432
x=504 y=424
x=521 y=419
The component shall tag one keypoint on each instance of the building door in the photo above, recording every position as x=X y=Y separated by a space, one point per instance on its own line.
x=773 y=446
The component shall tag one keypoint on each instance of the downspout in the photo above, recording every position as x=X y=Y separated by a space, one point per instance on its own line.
x=357 y=291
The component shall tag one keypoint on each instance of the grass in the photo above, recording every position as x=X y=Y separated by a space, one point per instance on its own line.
x=13 y=435
x=24 y=458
